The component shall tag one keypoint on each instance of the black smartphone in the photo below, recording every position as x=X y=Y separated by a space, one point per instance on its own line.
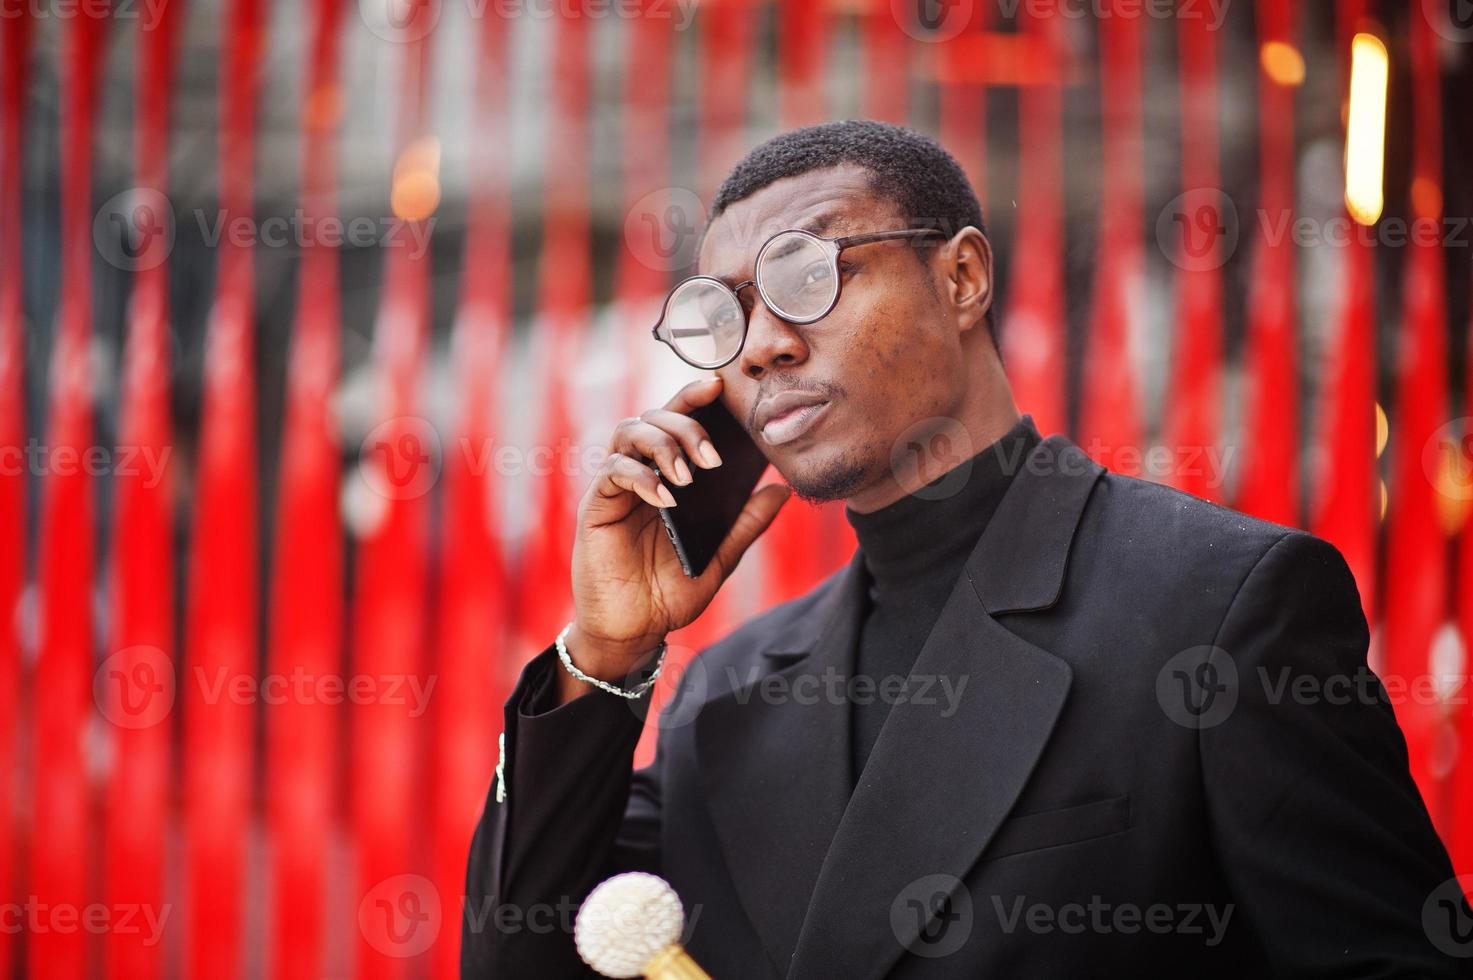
x=708 y=506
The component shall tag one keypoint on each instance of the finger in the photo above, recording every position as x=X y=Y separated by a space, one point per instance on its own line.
x=622 y=474
x=756 y=517
x=695 y=394
x=689 y=433
x=644 y=440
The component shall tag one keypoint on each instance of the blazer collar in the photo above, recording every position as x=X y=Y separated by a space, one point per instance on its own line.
x=1018 y=563
x=822 y=872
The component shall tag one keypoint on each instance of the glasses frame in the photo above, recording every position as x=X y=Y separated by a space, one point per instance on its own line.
x=832 y=247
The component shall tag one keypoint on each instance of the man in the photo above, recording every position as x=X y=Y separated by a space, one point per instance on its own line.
x=1049 y=721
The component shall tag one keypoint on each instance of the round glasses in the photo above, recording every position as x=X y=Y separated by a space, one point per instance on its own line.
x=797 y=276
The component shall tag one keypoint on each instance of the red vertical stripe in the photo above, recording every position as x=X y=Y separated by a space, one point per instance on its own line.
x=476 y=671
x=391 y=592
x=545 y=600
x=1193 y=423
x=1270 y=443
x=142 y=568
x=726 y=57
x=1460 y=826
x=801 y=41
x=963 y=101
x=667 y=223
x=1347 y=491
x=886 y=63
x=61 y=838
x=1110 y=416
x=15 y=31
x=306 y=617
x=220 y=616
x=1033 y=334
x=1416 y=565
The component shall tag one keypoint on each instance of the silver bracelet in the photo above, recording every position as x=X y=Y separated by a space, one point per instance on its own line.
x=632 y=693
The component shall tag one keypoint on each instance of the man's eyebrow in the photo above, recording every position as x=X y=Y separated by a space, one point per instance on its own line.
x=816 y=225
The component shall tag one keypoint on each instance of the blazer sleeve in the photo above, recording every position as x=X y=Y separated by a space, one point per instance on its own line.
x=572 y=813
x=1327 y=847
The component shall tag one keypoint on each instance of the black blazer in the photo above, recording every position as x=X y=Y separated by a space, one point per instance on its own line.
x=1135 y=780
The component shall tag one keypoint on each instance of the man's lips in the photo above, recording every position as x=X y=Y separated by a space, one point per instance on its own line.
x=792 y=423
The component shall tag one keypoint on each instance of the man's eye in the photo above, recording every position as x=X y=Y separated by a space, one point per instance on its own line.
x=815 y=273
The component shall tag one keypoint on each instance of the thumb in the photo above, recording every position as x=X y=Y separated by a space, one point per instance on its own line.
x=758 y=514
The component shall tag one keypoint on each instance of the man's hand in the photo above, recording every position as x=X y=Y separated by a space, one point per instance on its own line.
x=628 y=586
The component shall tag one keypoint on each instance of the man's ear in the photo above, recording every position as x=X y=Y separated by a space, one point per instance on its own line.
x=967 y=268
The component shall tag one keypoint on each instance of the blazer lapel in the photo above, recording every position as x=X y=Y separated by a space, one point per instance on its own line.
x=775 y=766
x=820 y=871
x=945 y=771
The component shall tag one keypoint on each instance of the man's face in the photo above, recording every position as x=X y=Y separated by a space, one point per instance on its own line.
x=888 y=354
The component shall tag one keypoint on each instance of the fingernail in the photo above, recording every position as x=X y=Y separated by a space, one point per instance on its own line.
x=665 y=496
x=708 y=453
x=682 y=472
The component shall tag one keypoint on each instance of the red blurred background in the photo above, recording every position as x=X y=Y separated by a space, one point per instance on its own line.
x=315 y=318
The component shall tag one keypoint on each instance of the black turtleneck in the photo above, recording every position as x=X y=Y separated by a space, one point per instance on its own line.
x=914 y=550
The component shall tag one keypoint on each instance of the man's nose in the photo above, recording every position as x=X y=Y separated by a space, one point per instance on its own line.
x=772 y=342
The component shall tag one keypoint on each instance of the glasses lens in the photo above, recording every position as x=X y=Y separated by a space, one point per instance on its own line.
x=706 y=322
x=798 y=277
